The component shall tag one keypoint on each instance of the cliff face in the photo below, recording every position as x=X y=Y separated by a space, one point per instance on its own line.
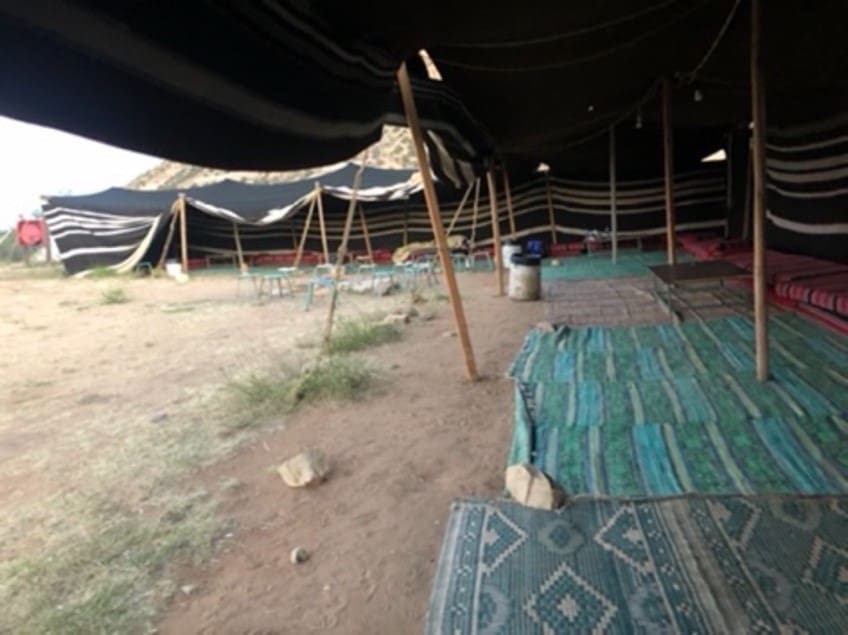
x=394 y=150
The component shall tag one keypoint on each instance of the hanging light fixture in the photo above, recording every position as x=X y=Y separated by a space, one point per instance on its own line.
x=639 y=118
x=699 y=96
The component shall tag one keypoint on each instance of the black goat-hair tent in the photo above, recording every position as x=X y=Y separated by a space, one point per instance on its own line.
x=119 y=228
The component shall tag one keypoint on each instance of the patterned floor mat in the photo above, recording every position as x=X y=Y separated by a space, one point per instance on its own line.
x=686 y=565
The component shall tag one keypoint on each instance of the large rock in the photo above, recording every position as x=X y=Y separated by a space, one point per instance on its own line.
x=304 y=469
x=530 y=486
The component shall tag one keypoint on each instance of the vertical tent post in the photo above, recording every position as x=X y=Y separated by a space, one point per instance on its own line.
x=175 y=214
x=366 y=236
x=613 y=193
x=340 y=257
x=474 y=212
x=436 y=221
x=406 y=225
x=510 y=211
x=321 y=224
x=239 y=252
x=550 y=198
x=496 y=228
x=183 y=232
x=728 y=182
x=306 y=225
x=668 y=164
x=459 y=209
x=758 y=106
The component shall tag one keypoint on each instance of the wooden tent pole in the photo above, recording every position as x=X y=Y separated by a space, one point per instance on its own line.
x=436 y=221
x=758 y=107
x=175 y=214
x=340 y=256
x=496 y=229
x=366 y=236
x=613 y=196
x=474 y=212
x=459 y=209
x=510 y=211
x=306 y=225
x=321 y=224
x=183 y=233
x=668 y=164
x=728 y=183
x=239 y=252
x=551 y=218
x=405 y=225
x=293 y=234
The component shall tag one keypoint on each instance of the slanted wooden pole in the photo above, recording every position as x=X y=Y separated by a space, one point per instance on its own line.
x=551 y=218
x=306 y=225
x=496 y=229
x=340 y=257
x=365 y=235
x=613 y=196
x=668 y=164
x=239 y=252
x=183 y=233
x=175 y=214
x=293 y=234
x=436 y=221
x=325 y=247
x=758 y=107
x=459 y=209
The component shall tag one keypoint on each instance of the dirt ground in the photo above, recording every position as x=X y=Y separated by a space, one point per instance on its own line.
x=77 y=374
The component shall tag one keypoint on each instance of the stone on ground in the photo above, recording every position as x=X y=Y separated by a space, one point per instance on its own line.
x=396 y=318
x=531 y=487
x=298 y=555
x=304 y=469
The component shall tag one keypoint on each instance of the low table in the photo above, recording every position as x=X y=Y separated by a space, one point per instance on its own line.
x=700 y=275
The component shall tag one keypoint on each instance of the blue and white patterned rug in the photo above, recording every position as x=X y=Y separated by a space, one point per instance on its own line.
x=726 y=564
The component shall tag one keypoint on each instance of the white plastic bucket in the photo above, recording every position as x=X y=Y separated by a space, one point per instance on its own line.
x=173 y=268
x=525 y=276
x=508 y=249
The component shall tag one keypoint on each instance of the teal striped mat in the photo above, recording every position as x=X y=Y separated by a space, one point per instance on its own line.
x=631 y=262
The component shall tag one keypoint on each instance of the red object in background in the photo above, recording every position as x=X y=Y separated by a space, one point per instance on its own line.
x=31 y=233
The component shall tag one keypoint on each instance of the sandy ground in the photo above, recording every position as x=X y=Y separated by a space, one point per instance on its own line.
x=77 y=374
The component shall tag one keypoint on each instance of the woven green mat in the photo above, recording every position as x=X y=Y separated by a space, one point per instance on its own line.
x=630 y=262
x=683 y=565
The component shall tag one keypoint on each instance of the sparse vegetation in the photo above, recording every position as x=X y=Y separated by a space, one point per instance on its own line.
x=102 y=272
x=109 y=579
x=358 y=334
x=262 y=394
x=115 y=295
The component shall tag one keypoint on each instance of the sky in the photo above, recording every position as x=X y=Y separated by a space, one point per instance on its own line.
x=36 y=161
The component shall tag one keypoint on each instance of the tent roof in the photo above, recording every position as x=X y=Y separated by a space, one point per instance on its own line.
x=285 y=84
x=248 y=202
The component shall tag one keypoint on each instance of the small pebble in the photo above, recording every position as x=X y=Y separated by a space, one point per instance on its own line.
x=298 y=555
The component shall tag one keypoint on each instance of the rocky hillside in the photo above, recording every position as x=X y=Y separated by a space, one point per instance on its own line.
x=394 y=150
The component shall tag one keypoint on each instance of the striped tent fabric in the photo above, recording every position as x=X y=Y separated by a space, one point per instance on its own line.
x=119 y=228
x=807 y=168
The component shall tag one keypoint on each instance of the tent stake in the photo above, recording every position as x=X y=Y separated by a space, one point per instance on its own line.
x=550 y=197
x=613 y=201
x=366 y=236
x=436 y=221
x=496 y=228
x=510 y=211
x=239 y=252
x=758 y=106
x=321 y=224
x=183 y=232
x=668 y=164
x=306 y=225
x=175 y=214
x=340 y=256
x=459 y=209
